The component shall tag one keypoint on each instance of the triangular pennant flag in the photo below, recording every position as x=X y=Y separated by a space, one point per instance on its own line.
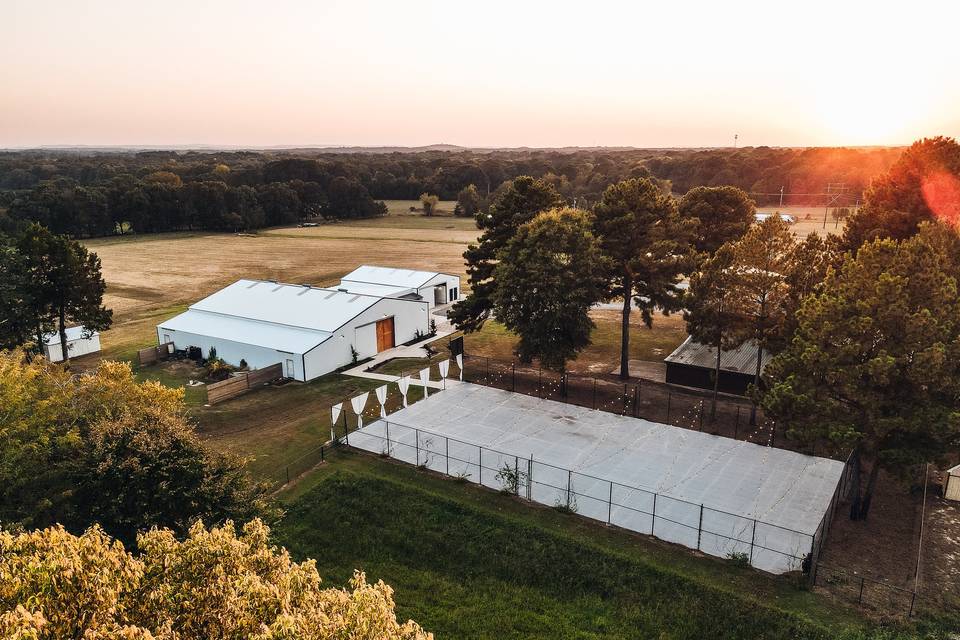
x=358 y=403
x=382 y=399
x=334 y=416
x=460 y=365
x=444 y=367
x=404 y=384
x=424 y=379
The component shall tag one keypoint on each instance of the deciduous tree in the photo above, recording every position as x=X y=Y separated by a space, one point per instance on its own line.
x=428 y=202
x=468 y=202
x=103 y=448
x=549 y=276
x=213 y=584
x=515 y=204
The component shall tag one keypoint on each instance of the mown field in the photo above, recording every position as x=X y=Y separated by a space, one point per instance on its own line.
x=470 y=563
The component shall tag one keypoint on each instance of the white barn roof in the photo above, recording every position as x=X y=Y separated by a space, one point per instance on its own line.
x=73 y=333
x=390 y=276
x=286 y=317
x=287 y=304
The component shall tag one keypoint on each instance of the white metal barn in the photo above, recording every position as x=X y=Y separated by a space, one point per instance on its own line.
x=309 y=330
x=434 y=288
x=78 y=344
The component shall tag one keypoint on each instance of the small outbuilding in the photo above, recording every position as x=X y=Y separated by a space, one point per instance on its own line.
x=432 y=287
x=693 y=364
x=951 y=489
x=310 y=331
x=79 y=342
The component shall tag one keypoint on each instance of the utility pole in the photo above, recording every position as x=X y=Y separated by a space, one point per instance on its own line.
x=835 y=190
x=735 y=136
x=781 y=197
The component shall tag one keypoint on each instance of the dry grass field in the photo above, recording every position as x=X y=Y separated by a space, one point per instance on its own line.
x=809 y=220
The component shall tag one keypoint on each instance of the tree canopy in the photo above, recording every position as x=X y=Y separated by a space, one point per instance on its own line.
x=648 y=246
x=723 y=214
x=922 y=185
x=549 y=276
x=516 y=204
x=102 y=448
x=212 y=585
x=875 y=359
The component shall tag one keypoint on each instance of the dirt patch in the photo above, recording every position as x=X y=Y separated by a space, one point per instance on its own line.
x=940 y=573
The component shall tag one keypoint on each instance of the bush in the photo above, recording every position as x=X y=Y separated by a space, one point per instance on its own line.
x=213 y=584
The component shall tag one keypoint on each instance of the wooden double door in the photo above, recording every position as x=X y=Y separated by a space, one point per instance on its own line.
x=385 y=338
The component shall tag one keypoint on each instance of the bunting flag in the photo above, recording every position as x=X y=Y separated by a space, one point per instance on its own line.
x=444 y=370
x=404 y=384
x=382 y=399
x=460 y=365
x=334 y=416
x=358 y=403
x=424 y=379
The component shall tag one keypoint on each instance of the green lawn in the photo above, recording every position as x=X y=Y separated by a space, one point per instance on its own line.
x=469 y=563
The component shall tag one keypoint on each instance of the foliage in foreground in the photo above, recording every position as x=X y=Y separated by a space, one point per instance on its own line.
x=214 y=584
x=102 y=448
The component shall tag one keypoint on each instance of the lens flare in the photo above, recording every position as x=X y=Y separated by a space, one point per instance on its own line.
x=941 y=192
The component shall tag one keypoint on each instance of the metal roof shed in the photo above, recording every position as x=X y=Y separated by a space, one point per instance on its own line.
x=693 y=364
x=78 y=344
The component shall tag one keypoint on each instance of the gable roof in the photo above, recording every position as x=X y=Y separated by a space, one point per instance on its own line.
x=287 y=304
x=73 y=333
x=743 y=359
x=286 y=317
x=391 y=276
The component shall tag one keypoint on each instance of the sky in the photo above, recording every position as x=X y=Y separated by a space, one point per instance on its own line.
x=484 y=74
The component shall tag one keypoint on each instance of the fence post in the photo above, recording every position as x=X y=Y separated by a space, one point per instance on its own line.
x=569 y=478
x=913 y=600
x=700 y=527
x=540 y=382
x=322 y=453
x=653 y=516
x=669 y=397
x=288 y=475
x=346 y=429
x=594 y=392
x=609 y=502
x=516 y=473
x=753 y=537
x=626 y=400
x=701 y=416
x=736 y=425
x=860 y=597
x=386 y=424
x=416 y=433
x=513 y=377
x=446 y=446
x=487 y=377
x=481 y=465
x=636 y=400
x=530 y=478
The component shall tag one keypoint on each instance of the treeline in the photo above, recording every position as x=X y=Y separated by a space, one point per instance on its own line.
x=99 y=193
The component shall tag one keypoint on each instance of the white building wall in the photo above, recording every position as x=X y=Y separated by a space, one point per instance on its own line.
x=233 y=352
x=78 y=347
x=408 y=317
x=446 y=283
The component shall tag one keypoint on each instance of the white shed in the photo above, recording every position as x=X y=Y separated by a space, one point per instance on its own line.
x=309 y=330
x=433 y=287
x=79 y=342
x=951 y=490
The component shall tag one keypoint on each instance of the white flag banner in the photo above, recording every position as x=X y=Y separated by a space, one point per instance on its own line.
x=404 y=384
x=444 y=367
x=334 y=416
x=460 y=365
x=382 y=399
x=424 y=379
x=358 y=403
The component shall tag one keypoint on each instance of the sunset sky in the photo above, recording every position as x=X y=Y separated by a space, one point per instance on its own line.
x=490 y=73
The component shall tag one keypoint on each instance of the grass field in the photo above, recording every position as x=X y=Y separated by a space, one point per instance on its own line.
x=470 y=563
